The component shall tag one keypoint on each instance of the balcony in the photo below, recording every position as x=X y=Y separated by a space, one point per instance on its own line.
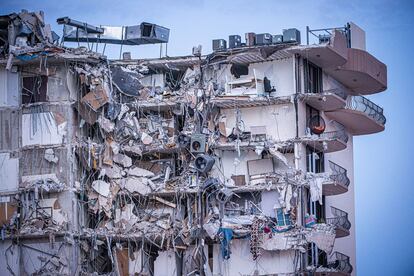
x=338 y=264
x=340 y=221
x=338 y=181
x=327 y=100
x=331 y=54
x=363 y=74
x=360 y=116
x=329 y=141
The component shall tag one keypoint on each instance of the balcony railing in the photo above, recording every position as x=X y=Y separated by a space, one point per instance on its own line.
x=340 y=219
x=340 y=262
x=339 y=134
x=362 y=104
x=339 y=174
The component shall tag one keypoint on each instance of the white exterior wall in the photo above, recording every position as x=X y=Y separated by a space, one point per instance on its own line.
x=345 y=202
x=242 y=263
x=279 y=72
x=9 y=88
x=344 y=158
x=278 y=119
x=9 y=173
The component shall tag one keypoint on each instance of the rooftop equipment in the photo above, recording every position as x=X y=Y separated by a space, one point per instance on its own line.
x=250 y=39
x=145 y=33
x=291 y=35
x=277 y=39
x=219 y=44
x=234 y=41
x=263 y=39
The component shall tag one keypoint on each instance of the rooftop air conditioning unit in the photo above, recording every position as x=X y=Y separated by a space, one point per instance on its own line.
x=234 y=41
x=263 y=39
x=291 y=35
x=219 y=44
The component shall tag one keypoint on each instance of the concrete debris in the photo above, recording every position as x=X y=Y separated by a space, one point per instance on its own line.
x=101 y=187
x=50 y=156
x=136 y=171
x=140 y=185
x=146 y=139
x=46 y=182
x=106 y=124
x=123 y=160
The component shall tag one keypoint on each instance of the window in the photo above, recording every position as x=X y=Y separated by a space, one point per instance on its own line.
x=314 y=161
x=34 y=89
x=313 y=77
x=311 y=113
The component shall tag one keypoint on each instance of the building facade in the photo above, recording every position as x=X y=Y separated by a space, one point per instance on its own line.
x=239 y=162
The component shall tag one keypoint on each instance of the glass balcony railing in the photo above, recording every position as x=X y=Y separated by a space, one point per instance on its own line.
x=362 y=104
x=339 y=174
x=339 y=219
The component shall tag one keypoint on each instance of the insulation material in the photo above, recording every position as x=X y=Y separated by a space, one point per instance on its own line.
x=42 y=128
x=323 y=235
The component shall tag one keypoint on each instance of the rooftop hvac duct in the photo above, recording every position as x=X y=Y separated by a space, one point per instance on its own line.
x=145 y=33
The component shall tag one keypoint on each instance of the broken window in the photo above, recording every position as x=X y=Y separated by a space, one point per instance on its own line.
x=34 y=89
x=238 y=70
x=313 y=77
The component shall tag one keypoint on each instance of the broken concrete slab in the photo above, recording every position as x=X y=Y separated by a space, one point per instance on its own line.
x=123 y=160
x=101 y=187
x=139 y=172
x=50 y=156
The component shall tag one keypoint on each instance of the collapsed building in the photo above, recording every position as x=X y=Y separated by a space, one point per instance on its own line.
x=239 y=162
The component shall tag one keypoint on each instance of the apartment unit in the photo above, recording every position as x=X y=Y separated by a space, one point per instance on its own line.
x=239 y=162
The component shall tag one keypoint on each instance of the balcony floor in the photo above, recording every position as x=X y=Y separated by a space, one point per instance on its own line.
x=333 y=145
x=331 y=188
x=357 y=122
x=325 y=101
x=324 y=56
x=341 y=232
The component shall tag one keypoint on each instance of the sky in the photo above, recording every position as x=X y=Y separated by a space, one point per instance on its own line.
x=384 y=189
